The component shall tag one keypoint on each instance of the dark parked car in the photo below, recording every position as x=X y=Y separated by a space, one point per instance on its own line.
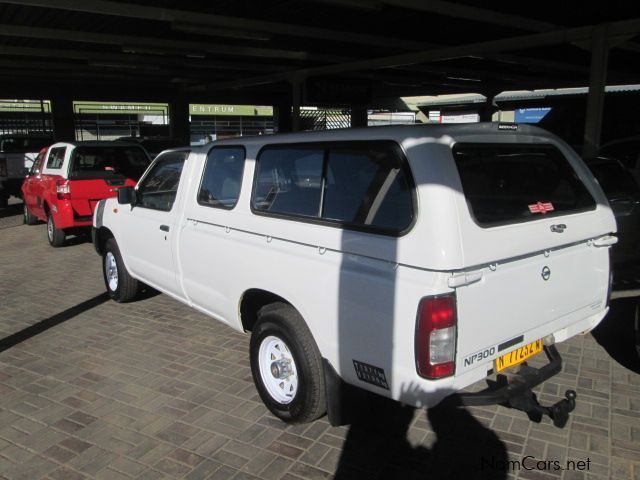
x=155 y=145
x=623 y=194
x=627 y=150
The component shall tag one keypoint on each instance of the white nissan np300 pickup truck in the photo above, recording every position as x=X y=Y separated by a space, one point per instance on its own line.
x=408 y=261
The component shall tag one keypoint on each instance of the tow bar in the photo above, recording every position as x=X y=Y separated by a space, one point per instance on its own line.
x=528 y=403
x=516 y=392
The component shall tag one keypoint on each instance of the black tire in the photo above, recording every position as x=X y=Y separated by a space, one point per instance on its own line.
x=4 y=202
x=55 y=235
x=283 y=322
x=126 y=288
x=28 y=217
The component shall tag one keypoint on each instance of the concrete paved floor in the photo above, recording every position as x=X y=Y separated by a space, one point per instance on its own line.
x=153 y=389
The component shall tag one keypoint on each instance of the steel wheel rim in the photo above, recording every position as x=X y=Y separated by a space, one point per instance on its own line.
x=278 y=369
x=50 y=228
x=111 y=271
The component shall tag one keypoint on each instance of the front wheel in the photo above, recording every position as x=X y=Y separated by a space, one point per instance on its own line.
x=121 y=286
x=286 y=365
x=55 y=235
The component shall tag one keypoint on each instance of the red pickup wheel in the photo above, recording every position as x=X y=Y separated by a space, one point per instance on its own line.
x=55 y=236
x=29 y=218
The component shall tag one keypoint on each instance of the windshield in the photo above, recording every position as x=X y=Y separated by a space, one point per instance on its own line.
x=107 y=161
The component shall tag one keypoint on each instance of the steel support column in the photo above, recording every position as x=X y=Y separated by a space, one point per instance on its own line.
x=64 y=128
x=282 y=117
x=359 y=116
x=296 y=98
x=595 y=99
x=179 y=125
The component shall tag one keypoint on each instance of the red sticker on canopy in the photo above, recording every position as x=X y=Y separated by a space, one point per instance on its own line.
x=541 y=207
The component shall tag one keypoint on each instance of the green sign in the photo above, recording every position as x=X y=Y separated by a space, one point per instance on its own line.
x=118 y=108
x=22 y=106
x=239 y=110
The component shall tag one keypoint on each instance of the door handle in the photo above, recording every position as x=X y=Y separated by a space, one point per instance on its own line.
x=164 y=228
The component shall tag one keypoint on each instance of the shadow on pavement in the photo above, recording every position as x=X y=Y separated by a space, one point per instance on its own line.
x=11 y=210
x=615 y=333
x=46 y=324
x=377 y=446
x=77 y=240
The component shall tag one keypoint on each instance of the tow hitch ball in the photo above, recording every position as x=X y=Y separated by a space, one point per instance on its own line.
x=558 y=412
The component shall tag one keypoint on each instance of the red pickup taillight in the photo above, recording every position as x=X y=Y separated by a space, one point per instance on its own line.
x=436 y=337
x=63 y=190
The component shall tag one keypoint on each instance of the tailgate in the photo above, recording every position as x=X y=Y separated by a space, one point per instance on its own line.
x=86 y=193
x=535 y=232
x=519 y=301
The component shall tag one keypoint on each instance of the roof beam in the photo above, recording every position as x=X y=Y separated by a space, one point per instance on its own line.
x=158 y=44
x=614 y=29
x=106 y=7
x=476 y=14
x=89 y=55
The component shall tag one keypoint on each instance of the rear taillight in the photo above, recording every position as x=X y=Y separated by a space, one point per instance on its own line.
x=63 y=190
x=436 y=337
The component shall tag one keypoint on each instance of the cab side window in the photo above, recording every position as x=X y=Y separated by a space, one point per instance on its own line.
x=222 y=177
x=359 y=185
x=56 y=158
x=366 y=185
x=289 y=181
x=159 y=187
x=36 y=168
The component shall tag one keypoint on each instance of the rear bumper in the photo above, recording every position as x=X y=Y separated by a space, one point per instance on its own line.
x=503 y=391
x=66 y=219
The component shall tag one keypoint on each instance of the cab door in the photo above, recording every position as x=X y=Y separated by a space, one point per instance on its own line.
x=33 y=184
x=150 y=226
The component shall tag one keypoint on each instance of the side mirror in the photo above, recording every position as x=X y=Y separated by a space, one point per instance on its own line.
x=126 y=195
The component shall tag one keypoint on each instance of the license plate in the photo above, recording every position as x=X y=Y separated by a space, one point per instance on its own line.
x=518 y=356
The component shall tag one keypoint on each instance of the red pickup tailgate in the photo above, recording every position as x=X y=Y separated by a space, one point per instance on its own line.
x=85 y=194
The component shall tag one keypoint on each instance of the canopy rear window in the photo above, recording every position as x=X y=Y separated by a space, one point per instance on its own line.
x=518 y=183
x=107 y=161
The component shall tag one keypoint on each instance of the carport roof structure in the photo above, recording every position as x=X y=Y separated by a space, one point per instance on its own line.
x=340 y=51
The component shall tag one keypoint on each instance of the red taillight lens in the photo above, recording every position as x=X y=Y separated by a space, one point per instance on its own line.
x=63 y=190
x=436 y=337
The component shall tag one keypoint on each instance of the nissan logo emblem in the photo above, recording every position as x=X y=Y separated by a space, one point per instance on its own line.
x=546 y=273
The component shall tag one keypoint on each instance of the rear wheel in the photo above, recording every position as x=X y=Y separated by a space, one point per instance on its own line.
x=29 y=218
x=121 y=286
x=55 y=235
x=286 y=365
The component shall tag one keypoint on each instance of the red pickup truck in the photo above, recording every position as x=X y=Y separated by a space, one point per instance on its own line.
x=68 y=179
